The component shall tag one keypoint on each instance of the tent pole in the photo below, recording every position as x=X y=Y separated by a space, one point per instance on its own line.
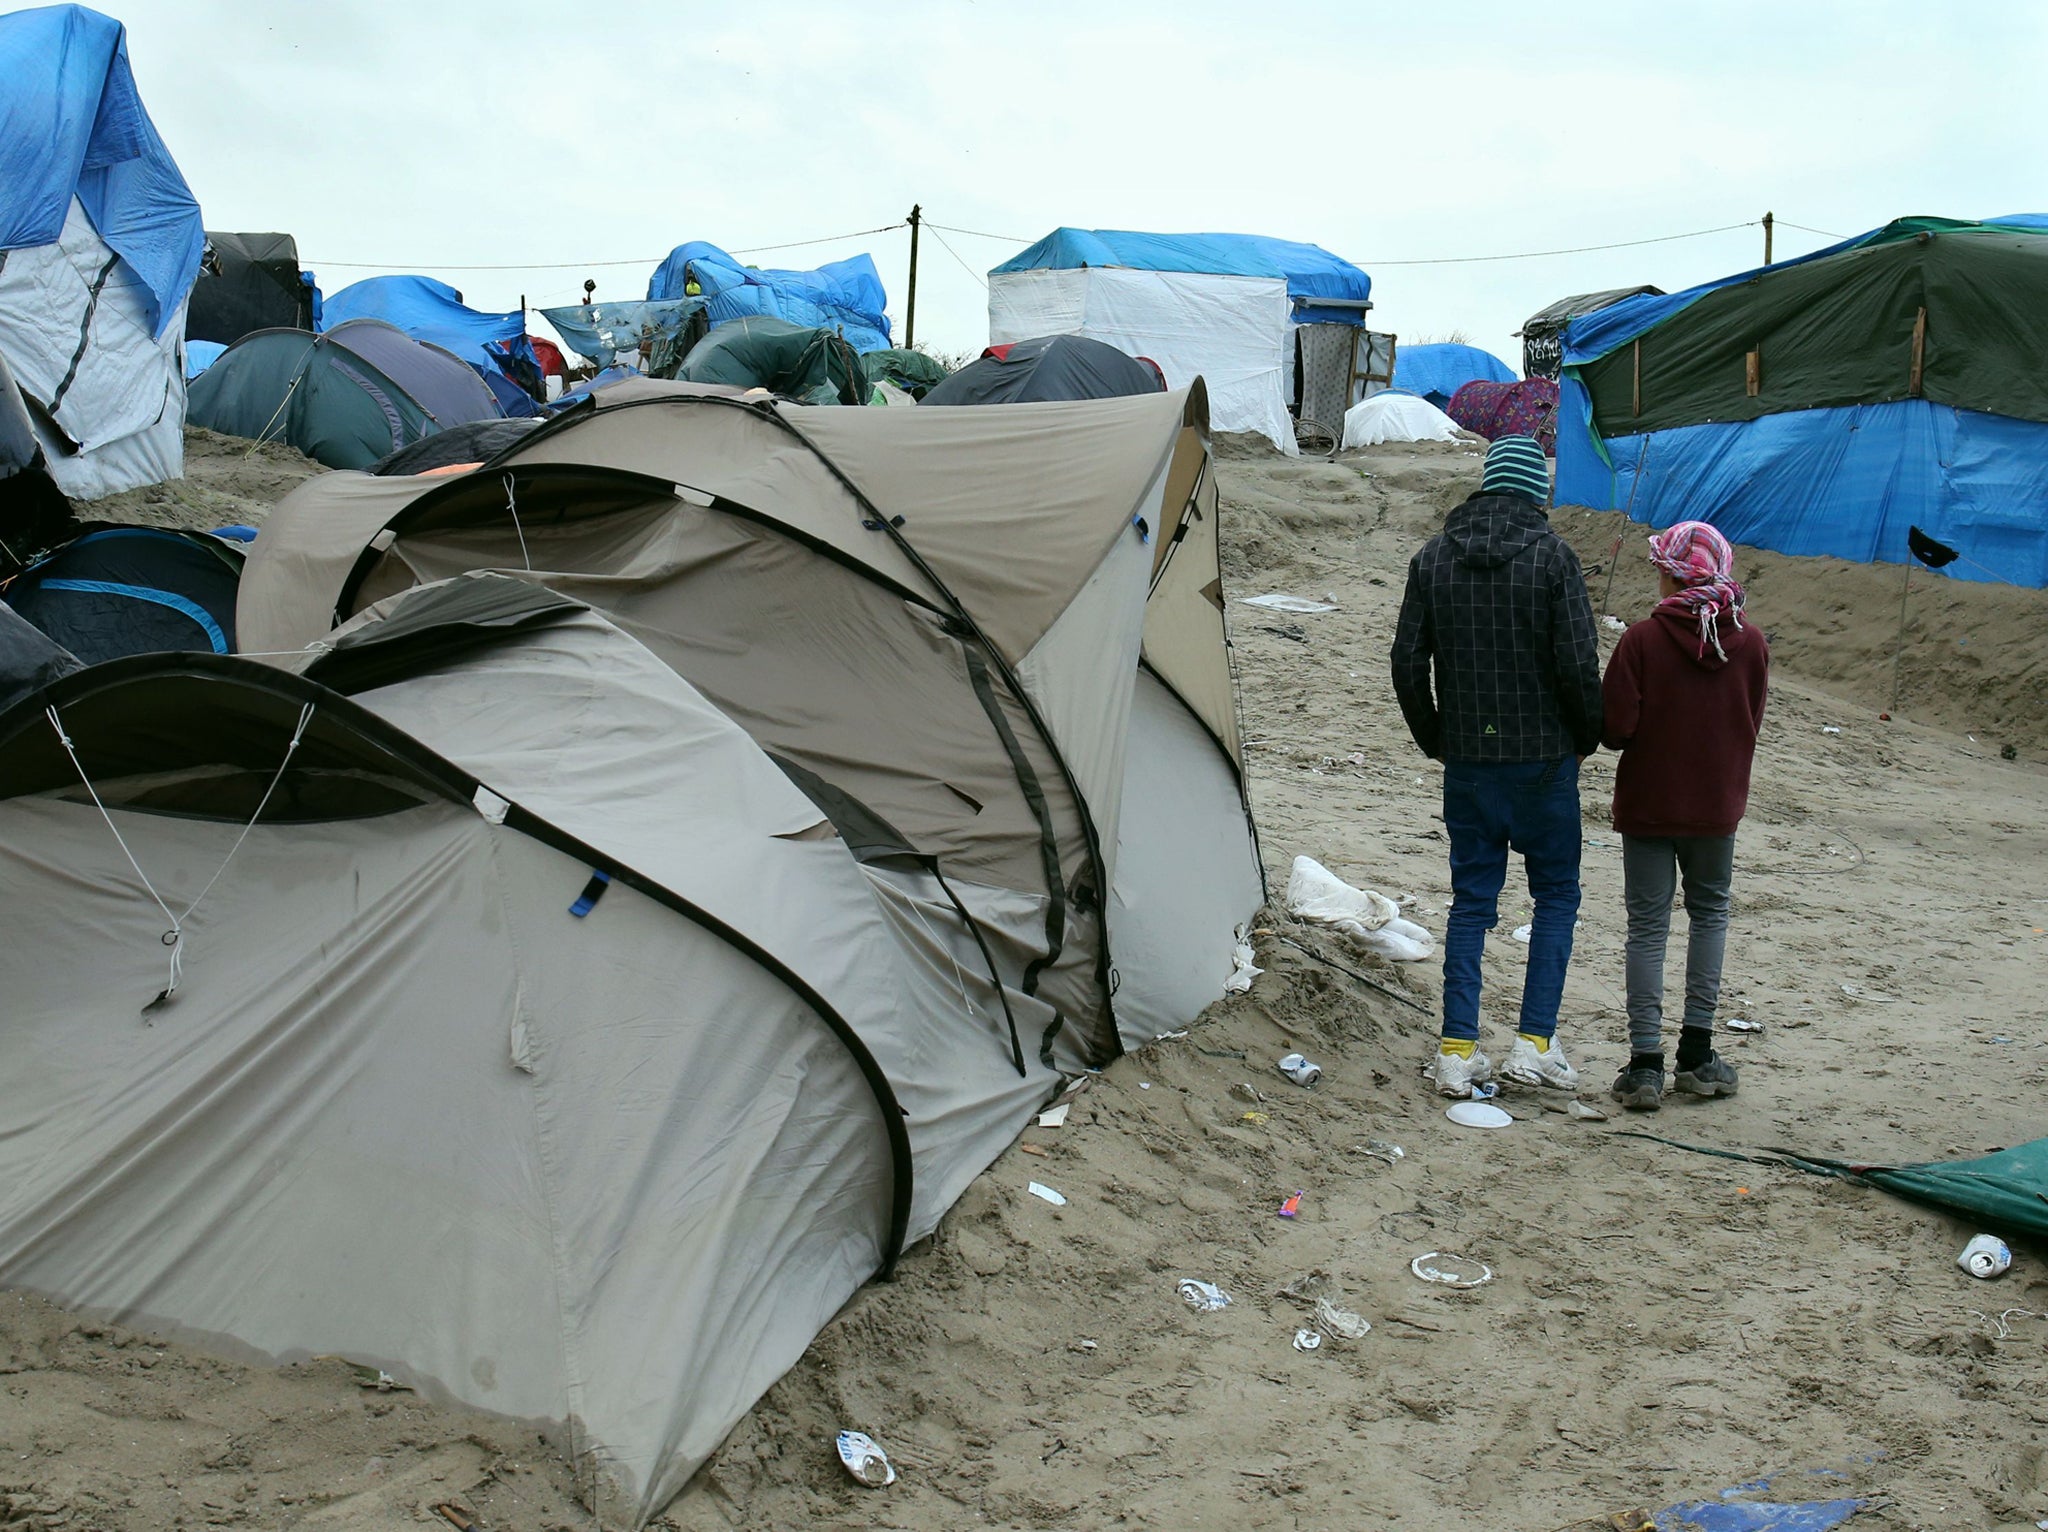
x=1900 y=648
x=910 y=304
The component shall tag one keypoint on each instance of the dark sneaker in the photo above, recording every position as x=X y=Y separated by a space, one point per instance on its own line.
x=1716 y=1077
x=1639 y=1088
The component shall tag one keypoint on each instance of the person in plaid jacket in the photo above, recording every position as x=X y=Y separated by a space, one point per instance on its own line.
x=1497 y=668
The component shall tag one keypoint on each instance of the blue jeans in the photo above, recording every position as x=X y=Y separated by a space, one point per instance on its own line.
x=1531 y=807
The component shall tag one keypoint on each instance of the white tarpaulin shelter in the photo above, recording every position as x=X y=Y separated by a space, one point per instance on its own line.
x=1390 y=416
x=713 y=829
x=100 y=241
x=1221 y=307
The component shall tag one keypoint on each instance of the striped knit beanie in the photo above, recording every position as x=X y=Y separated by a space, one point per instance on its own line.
x=1515 y=465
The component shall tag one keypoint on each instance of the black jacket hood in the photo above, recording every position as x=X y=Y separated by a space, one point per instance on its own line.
x=1489 y=530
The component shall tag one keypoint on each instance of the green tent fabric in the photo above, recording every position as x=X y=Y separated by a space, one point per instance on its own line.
x=2006 y=1191
x=809 y=366
x=912 y=371
x=309 y=391
x=1840 y=330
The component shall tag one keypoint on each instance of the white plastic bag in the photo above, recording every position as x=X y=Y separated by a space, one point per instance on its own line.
x=1368 y=920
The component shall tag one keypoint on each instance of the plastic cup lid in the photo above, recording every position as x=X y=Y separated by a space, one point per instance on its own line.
x=1478 y=1114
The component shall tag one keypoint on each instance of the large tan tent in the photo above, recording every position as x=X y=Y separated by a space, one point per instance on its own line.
x=669 y=882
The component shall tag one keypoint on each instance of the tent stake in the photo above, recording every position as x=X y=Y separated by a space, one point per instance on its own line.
x=1900 y=648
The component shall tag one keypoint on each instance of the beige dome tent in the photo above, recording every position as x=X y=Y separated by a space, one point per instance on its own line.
x=682 y=875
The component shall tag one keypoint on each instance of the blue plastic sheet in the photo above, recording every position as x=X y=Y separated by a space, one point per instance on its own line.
x=426 y=310
x=200 y=355
x=598 y=332
x=1756 y=1515
x=1845 y=483
x=1436 y=372
x=846 y=296
x=1311 y=271
x=73 y=124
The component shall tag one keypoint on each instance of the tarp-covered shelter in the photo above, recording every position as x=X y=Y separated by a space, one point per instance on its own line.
x=1389 y=416
x=846 y=296
x=1049 y=367
x=345 y=398
x=427 y=310
x=1437 y=371
x=100 y=239
x=119 y=590
x=1824 y=405
x=250 y=282
x=1493 y=410
x=1542 y=333
x=711 y=830
x=600 y=332
x=912 y=371
x=1221 y=307
x=811 y=365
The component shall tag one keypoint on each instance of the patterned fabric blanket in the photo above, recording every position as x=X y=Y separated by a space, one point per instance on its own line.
x=1492 y=410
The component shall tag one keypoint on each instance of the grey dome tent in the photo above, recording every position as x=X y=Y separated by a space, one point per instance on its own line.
x=121 y=590
x=345 y=398
x=759 y=351
x=653 y=930
x=1049 y=367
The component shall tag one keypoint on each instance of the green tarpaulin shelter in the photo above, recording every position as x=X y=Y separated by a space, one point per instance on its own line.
x=912 y=371
x=809 y=366
x=1924 y=308
x=2007 y=1191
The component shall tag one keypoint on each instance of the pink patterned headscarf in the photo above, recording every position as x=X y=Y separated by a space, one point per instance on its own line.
x=1702 y=562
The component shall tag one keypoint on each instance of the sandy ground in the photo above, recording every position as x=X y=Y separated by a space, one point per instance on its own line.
x=1662 y=1325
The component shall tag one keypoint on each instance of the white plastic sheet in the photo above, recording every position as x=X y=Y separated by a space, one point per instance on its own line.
x=1369 y=920
x=1393 y=417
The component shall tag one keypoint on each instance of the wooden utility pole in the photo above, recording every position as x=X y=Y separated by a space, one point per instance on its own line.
x=910 y=304
x=1767 y=238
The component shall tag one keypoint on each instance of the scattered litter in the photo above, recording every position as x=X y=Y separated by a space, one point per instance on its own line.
x=1340 y=1324
x=369 y=1377
x=1292 y=630
x=1307 y=1340
x=1244 y=1090
x=868 y=1463
x=1086 y=1345
x=1743 y=1024
x=1307 y=1287
x=1986 y=1256
x=1037 y=1149
x=1219 y=1053
x=1585 y=1113
x=1054 y=1116
x=454 y=1515
x=1857 y=992
x=1551 y=1103
x=1523 y=933
x=1144 y=1085
x=1279 y=601
x=1828 y=728
x=1203 y=1297
x=1299 y=1069
x=2008 y=752
x=1478 y=1114
x=1291 y=1208
x=2001 y=1320
x=1614 y=622
x=1046 y=1194
x=1243 y=968
x=1257 y=1119
x=1381 y=1149
x=1370 y=921
x=1451 y=1270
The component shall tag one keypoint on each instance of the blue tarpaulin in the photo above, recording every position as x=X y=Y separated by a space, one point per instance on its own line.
x=1842 y=482
x=1436 y=372
x=73 y=124
x=200 y=355
x=426 y=310
x=846 y=296
x=1756 y=1516
x=1311 y=271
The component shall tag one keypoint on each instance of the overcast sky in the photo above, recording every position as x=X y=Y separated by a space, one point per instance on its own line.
x=416 y=136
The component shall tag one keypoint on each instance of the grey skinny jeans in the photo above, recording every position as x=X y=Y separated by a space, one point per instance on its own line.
x=1653 y=869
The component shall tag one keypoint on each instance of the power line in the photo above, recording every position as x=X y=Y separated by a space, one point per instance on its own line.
x=1803 y=229
x=648 y=260
x=956 y=256
x=977 y=233
x=1530 y=255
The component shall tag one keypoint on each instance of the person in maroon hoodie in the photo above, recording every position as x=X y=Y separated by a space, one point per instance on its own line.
x=1684 y=699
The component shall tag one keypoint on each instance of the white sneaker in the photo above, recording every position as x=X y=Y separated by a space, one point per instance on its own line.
x=1454 y=1076
x=1525 y=1066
